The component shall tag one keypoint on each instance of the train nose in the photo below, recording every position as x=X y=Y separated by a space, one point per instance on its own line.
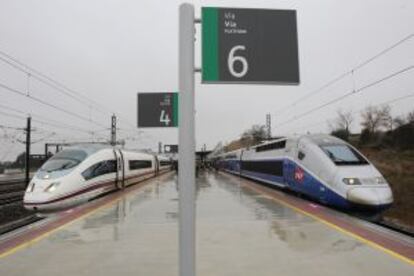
x=370 y=196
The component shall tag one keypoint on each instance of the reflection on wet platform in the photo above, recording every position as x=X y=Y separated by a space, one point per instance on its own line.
x=239 y=232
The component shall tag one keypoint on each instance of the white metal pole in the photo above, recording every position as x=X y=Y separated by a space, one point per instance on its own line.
x=186 y=159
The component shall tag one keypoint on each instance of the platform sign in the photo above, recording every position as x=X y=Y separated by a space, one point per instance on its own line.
x=157 y=109
x=171 y=148
x=249 y=46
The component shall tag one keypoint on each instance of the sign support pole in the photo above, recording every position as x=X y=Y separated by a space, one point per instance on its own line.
x=186 y=149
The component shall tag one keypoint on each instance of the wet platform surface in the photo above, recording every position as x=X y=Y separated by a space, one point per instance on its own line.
x=240 y=231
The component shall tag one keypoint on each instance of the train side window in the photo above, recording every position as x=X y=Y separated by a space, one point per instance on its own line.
x=272 y=146
x=139 y=164
x=110 y=166
x=99 y=169
x=268 y=167
x=301 y=155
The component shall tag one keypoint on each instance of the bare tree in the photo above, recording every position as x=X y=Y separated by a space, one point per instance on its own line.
x=389 y=120
x=399 y=121
x=410 y=117
x=343 y=121
x=374 y=118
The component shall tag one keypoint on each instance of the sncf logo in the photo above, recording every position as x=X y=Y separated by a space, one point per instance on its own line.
x=299 y=174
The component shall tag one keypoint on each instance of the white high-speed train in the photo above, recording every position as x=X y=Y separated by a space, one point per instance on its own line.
x=78 y=174
x=322 y=167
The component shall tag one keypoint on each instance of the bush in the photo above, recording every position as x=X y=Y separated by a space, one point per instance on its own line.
x=366 y=137
x=341 y=134
x=403 y=137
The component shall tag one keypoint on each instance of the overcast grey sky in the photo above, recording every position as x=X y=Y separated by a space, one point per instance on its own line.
x=110 y=50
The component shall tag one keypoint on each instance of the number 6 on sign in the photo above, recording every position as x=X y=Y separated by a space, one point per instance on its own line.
x=231 y=60
x=164 y=118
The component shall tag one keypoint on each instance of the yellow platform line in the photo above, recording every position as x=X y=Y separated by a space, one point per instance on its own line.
x=339 y=229
x=50 y=232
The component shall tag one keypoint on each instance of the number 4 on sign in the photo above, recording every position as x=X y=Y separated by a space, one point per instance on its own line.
x=164 y=118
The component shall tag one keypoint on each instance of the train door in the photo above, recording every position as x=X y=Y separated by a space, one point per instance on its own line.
x=288 y=173
x=290 y=165
x=120 y=171
x=306 y=181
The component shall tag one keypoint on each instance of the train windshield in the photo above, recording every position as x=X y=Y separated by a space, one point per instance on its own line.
x=64 y=160
x=343 y=155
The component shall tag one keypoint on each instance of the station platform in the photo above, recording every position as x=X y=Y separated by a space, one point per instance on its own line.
x=243 y=228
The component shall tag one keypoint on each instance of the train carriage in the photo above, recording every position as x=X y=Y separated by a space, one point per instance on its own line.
x=321 y=167
x=81 y=173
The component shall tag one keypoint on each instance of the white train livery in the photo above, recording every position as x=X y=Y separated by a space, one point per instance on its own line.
x=321 y=167
x=78 y=174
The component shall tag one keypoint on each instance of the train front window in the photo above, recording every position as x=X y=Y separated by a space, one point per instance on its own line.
x=101 y=168
x=64 y=160
x=343 y=155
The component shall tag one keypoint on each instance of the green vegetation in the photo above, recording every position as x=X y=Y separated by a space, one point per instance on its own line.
x=387 y=142
x=250 y=137
x=398 y=168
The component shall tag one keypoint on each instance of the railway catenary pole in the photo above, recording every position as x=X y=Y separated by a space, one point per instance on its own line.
x=27 y=156
x=113 y=130
x=186 y=138
x=159 y=147
x=268 y=126
x=46 y=149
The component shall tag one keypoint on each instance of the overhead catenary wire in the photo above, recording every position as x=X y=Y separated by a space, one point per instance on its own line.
x=10 y=137
x=45 y=79
x=40 y=140
x=11 y=148
x=352 y=92
x=61 y=88
x=18 y=92
x=62 y=126
x=12 y=109
x=12 y=115
x=346 y=73
x=45 y=121
x=10 y=127
x=48 y=123
x=394 y=100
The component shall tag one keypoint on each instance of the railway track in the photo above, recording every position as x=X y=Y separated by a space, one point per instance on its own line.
x=385 y=223
x=396 y=228
x=11 y=197
x=15 y=224
x=12 y=213
x=11 y=191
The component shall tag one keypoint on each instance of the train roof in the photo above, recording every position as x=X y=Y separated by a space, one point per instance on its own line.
x=93 y=148
x=321 y=139
x=88 y=148
x=269 y=142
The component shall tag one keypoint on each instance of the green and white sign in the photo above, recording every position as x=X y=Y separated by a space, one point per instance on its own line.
x=157 y=109
x=249 y=46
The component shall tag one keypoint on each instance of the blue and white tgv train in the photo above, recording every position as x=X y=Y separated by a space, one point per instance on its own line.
x=322 y=167
x=80 y=173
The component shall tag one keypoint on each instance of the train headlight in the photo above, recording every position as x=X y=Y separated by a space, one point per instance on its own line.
x=351 y=181
x=380 y=180
x=30 y=188
x=52 y=187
